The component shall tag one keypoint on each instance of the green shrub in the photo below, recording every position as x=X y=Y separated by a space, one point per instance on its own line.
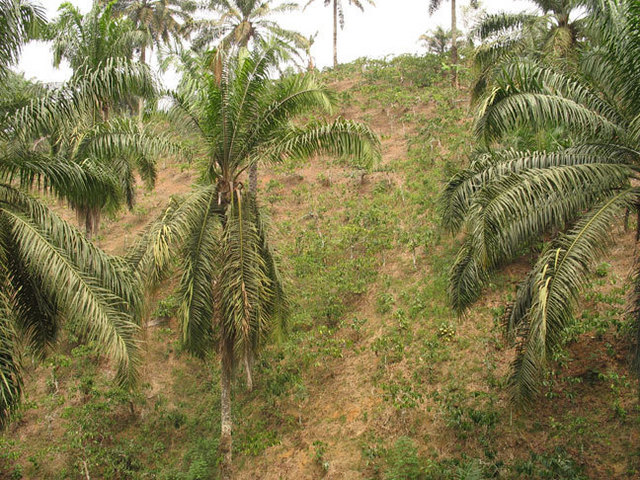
x=403 y=461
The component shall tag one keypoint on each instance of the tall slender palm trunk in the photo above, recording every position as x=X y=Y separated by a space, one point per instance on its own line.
x=454 y=45
x=335 y=33
x=143 y=60
x=226 y=370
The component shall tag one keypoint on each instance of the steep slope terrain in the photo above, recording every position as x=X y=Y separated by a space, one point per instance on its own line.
x=375 y=377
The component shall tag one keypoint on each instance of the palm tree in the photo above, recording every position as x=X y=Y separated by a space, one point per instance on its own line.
x=50 y=272
x=118 y=146
x=230 y=291
x=20 y=21
x=437 y=41
x=160 y=21
x=244 y=21
x=551 y=35
x=99 y=48
x=507 y=200
x=435 y=5
x=87 y=41
x=338 y=18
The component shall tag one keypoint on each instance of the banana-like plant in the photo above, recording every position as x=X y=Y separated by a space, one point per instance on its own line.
x=507 y=200
x=231 y=292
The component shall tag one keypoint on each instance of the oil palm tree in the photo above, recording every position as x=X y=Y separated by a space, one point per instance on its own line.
x=159 y=21
x=102 y=140
x=50 y=272
x=438 y=41
x=231 y=293
x=120 y=146
x=243 y=21
x=338 y=18
x=20 y=21
x=99 y=47
x=435 y=5
x=507 y=200
x=310 y=40
x=552 y=35
x=87 y=41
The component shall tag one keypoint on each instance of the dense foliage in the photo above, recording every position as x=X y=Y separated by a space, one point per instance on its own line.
x=508 y=199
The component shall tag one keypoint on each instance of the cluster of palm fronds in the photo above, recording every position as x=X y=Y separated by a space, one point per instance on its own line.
x=50 y=271
x=570 y=195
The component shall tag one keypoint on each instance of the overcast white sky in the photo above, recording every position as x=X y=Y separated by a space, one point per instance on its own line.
x=392 y=27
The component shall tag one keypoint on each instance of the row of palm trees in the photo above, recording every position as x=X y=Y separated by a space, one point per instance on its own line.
x=166 y=22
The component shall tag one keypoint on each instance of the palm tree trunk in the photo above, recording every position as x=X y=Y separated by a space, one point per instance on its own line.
x=335 y=33
x=253 y=179
x=226 y=364
x=248 y=367
x=89 y=218
x=143 y=60
x=454 y=45
x=626 y=219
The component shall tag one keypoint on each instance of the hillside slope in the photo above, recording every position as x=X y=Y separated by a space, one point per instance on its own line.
x=376 y=378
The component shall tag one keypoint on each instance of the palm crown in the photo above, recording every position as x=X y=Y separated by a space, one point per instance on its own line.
x=243 y=21
x=86 y=41
x=20 y=20
x=159 y=21
x=99 y=47
x=550 y=35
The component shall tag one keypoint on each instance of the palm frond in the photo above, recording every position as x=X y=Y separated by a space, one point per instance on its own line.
x=511 y=212
x=461 y=189
x=20 y=21
x=97 y=293
x=154 y=252
x=557 y=279
x=244 y=286
x=55 y=174
x=340 y=138
x=501 y=23
x=198 y=291
x=10 y=366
